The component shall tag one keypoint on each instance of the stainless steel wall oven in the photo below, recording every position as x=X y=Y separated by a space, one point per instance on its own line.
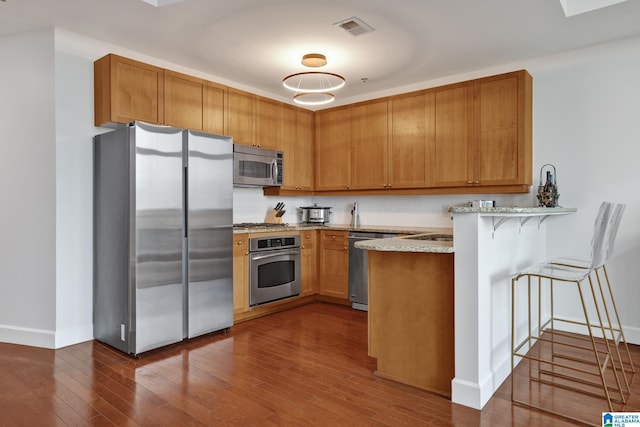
x=274 y=268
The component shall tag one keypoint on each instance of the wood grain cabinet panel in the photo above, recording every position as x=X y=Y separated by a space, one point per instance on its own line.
x=184 y=98
x=369 y=145
x=240 y=273
x=453 y=144
x=333 y=154
x=215 y=102
x=268 y=127
x=309 y=256
x=411 y=140
x=502 y=129
x=334 y=264
x=127 y=90
x=296 y=141
x=241 y=113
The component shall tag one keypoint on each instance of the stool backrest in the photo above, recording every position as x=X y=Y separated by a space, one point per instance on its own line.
x=614 y=224
x=599 y=241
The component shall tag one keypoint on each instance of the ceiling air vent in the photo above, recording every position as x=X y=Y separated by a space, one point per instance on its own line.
x=354 y=26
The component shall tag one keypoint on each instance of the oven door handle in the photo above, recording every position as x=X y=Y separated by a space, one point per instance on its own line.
x=275 y=253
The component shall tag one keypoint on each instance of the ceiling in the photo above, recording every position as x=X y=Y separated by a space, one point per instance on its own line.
x=258 y=42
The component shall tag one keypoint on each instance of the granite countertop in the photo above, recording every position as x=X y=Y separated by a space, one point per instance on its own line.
x=513 y=210
x=343 y=227
x=410 y=244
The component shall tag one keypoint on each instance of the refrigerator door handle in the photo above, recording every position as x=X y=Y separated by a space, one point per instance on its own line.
x=185 y=217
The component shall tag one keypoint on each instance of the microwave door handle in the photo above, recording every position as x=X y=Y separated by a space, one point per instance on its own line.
x=275 y=254
x=274 y=171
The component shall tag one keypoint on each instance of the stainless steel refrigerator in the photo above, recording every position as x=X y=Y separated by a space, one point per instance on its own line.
x=163 y=236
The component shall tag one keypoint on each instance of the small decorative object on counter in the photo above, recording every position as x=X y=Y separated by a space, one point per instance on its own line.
x=548 y=190
x=482 y=204
x=274 y=216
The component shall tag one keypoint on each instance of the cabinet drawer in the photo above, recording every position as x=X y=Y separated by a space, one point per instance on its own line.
x=337 y=237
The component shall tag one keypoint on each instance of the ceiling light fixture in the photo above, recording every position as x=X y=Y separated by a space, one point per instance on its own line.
x=313 y=87
x=309 y=98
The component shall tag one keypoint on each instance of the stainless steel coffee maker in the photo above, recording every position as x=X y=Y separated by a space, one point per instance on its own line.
x=548 y=190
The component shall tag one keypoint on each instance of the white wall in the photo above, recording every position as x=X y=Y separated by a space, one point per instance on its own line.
x=27 y=189
x=586 y=115
x=585 y=105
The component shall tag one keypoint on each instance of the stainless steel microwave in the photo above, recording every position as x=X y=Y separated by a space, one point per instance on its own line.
x=256 y=167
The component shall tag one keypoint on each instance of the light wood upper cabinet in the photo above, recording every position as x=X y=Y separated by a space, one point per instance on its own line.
x=183 y=100
x=453 y=144
x=215 y=101
x=268 y=117
x=502 y=129
x=411 y=140
x=241 y=113
x=333 y=154
x=297 y=144
x=127 y=90
x=369 y=145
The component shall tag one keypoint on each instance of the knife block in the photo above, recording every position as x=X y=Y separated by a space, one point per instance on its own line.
x=271 y=217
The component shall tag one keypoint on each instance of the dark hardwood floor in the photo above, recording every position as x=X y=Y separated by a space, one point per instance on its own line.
x=305 y=366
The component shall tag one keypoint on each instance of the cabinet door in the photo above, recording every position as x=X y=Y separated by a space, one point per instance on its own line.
x=214 y=108
x=333 y=156
x=411 y=140
x=369 y=145
x=288 y=133
x=304 y=149
x=334 y=265
x=501 y=153
x=241 y=110
x=453 y=145
x=309 y=257
x=268 y=117
x=127 y=90
x=183 y=100
x=240 y=273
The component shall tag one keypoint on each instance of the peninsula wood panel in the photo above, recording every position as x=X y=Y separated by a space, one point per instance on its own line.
x=411 y=321
x=453 y=144
x=184 y=99
x=411 y=139
x=127 y=90
x=333 y=156
x=369 y=135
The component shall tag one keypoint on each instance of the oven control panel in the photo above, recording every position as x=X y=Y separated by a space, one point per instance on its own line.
x=273 y=242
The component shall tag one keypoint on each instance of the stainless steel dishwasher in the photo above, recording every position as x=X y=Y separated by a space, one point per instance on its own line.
x=358 y=289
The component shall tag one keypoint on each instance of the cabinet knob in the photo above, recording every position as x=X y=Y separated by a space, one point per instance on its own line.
x=246 y=253
x=348 y=187
x=239 y=242
x=302 y=247
x=476 y=182
x=333 y=237
x=345 y=248
x=469 y=182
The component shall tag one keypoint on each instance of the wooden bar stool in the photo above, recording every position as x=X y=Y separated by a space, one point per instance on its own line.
x=572 y=361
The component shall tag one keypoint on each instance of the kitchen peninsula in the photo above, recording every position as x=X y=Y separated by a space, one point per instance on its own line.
x=439 y=312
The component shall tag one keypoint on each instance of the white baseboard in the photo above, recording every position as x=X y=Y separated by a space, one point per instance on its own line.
x=27 y=336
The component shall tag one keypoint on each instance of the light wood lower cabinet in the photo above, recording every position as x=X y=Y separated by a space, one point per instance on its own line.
x=334 y=264
x=240 y=273
x=309 y=267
